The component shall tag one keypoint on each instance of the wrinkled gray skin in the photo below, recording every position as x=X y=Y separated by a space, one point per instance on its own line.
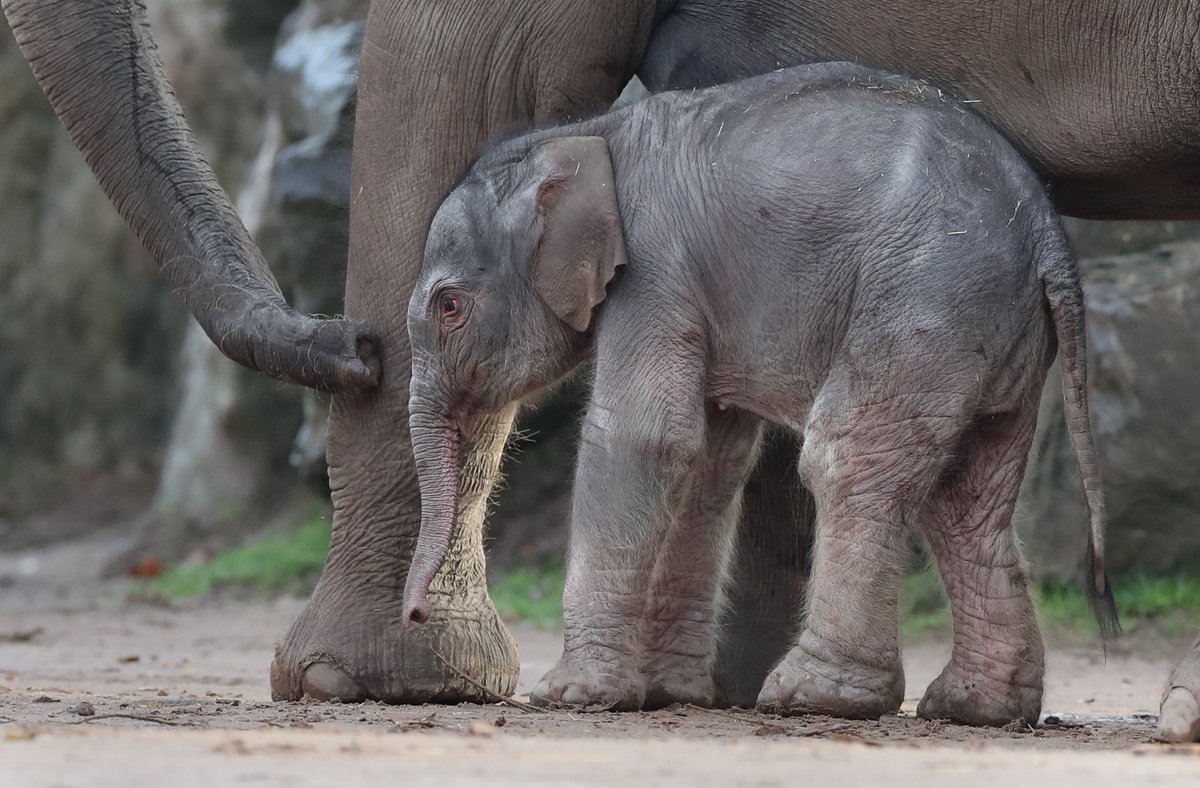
x=843 y=253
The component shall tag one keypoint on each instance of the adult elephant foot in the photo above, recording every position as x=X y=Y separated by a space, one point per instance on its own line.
x=816 y=678
x=350 y=641
x=1179 y=717
x=344 y=646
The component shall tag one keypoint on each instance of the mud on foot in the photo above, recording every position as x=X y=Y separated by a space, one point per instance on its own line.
x=971 y=698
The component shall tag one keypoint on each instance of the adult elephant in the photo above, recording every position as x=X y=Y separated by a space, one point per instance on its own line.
x=1101 y=94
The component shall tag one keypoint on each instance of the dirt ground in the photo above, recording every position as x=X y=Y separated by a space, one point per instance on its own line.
x=180 y=697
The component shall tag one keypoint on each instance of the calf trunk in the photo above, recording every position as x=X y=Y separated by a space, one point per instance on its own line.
x=436 y=441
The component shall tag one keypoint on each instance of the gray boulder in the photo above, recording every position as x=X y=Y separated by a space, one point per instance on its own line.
x=89 y=332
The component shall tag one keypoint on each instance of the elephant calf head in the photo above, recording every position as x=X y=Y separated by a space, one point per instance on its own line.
x=517 y=258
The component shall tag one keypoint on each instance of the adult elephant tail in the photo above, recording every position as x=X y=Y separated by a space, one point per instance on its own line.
x=98 y=64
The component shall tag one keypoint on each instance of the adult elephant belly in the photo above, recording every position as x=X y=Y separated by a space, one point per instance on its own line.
x=1102 y=95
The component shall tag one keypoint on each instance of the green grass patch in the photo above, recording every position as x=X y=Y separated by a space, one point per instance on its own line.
x=531 y=594
x=923 y=606
x=289 y=563
x=1168 y=605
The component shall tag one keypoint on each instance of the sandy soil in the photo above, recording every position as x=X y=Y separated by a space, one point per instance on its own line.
x=191 y=682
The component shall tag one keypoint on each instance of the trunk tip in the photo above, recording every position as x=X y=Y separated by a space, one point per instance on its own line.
x=416 y=611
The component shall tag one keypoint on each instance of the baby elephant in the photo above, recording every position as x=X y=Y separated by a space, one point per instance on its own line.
x=844 y=253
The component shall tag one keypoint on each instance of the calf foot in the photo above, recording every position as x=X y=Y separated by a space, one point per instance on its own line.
x=970 y=696
x=814 y=678
x=590 y=685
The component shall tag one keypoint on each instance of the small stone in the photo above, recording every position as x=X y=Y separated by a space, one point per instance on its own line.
x=162 y=693
x=84 y=709
x=45 y=699
x=481 y=728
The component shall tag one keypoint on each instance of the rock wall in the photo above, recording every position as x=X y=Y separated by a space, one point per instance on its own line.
x=1143 y=326
x=97 y=379
x=89 y=332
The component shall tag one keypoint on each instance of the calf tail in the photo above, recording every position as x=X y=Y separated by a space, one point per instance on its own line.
x=1059 y=275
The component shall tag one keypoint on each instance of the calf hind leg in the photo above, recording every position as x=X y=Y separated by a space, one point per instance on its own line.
x=868 y=469
x=997 y=664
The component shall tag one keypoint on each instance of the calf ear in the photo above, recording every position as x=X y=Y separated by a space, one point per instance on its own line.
x=579 y=242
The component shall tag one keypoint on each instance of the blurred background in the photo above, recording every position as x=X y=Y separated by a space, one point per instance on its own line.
x=121 y=424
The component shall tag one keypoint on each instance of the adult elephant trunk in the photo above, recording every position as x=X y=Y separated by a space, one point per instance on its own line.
x=99 y=66
x=436 y=440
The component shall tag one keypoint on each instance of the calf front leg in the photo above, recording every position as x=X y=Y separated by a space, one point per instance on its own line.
x=638 y=451
x=681 y=624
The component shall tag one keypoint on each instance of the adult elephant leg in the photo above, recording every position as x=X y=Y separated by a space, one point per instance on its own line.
x=350 y=641
x=769 y=574
x=435 y=81
x=1179 y=718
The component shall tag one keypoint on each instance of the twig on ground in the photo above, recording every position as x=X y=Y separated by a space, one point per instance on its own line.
x=138 y=717
x=773 y=728
x=822 y=730
x=719 y=713
x=494 y=697
x=424 y=723
x=730 y=716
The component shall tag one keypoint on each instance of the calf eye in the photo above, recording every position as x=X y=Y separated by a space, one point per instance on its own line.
x=451 y=306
